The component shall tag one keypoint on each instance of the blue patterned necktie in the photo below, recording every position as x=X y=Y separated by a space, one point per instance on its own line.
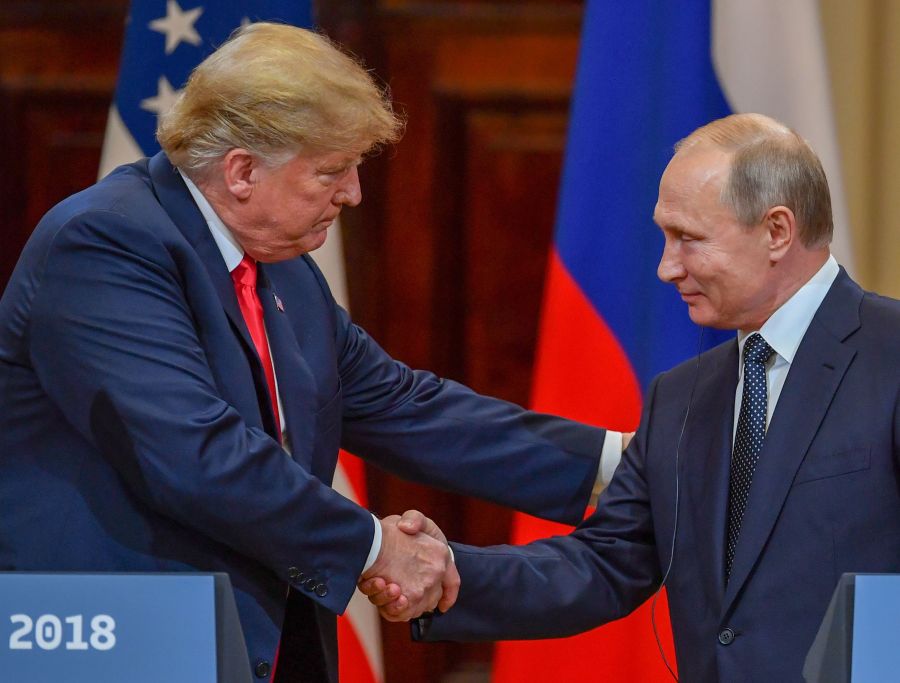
x=748 y=440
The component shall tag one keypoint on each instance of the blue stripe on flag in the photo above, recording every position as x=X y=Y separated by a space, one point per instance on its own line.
x=645 y=80
x=144 y=58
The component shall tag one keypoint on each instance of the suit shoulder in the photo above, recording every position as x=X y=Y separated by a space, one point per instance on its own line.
x=124 y=199
x=120 y=213
x=879 y=318
x=878 y=308
x=125 y=190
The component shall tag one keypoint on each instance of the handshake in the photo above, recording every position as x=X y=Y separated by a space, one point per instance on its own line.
x=414 y=572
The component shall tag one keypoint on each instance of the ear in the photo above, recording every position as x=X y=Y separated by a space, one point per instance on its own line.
x=240 y=170
x=781 y=229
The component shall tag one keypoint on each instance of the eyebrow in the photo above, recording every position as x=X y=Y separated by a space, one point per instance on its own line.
x=340 y=167
x=677 y=229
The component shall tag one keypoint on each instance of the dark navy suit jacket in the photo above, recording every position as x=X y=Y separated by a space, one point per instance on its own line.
x=825 y=500
x=136 y=432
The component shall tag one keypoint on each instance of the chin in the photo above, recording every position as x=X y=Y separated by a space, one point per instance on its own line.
x=315 y=241
x=705 y=318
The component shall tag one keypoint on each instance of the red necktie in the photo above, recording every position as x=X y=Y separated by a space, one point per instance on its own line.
x=244 y=277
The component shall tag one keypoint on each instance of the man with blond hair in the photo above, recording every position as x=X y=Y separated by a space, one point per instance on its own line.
x=177 y=378
x=762 y=470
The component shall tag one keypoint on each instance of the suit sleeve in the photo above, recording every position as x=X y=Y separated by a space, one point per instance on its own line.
x=563 y=585
x=114 y=345
x=436 y=431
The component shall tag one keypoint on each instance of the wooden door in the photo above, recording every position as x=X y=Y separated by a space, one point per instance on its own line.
x=448 y=249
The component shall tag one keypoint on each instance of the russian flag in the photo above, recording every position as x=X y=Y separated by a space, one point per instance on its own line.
x=649 y=73
x=164 y=41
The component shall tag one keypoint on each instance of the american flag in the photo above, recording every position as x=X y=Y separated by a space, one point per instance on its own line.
x=164 y=41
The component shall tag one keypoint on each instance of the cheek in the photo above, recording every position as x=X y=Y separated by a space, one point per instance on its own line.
x=699 y=261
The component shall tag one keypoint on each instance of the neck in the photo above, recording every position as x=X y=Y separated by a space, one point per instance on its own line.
x=792 y=272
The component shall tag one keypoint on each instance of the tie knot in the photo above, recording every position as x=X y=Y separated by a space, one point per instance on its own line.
x=245 y=273
x=757 y=350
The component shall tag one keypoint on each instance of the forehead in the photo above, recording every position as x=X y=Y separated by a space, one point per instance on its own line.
x=308 y=163
x=692 y=182
x=335 y=158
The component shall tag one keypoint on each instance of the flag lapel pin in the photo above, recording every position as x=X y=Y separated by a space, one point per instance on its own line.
x=278 y=304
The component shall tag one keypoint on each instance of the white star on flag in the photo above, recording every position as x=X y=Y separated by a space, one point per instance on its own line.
x=165 y=97
x=178 y=25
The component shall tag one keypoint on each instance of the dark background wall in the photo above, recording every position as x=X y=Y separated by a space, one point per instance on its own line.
x=445 y=256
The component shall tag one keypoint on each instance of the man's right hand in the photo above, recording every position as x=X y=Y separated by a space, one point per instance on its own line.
x=414 y=572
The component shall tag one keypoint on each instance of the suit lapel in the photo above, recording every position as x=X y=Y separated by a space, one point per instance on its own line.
x=814 y=377
x=295 y=378
x=177 y=201
x=706 y=462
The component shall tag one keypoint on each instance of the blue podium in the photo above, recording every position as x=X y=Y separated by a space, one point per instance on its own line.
x=859 y=639
x=100 y=628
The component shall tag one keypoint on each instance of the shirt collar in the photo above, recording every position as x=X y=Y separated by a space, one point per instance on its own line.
x=228 y=245
x=785 y=328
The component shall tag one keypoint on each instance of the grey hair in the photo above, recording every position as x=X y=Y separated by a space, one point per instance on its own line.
x=771 y=165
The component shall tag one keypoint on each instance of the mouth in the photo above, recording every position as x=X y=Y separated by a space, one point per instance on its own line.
x=689 y=297
x=323 y=225
x=327 y=222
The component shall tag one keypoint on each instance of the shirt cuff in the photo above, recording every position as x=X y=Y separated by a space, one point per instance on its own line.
x=610 y=456
x=376 y=546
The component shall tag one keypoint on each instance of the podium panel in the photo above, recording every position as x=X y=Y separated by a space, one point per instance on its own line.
x=99 y=628
x=859 y=639
x=876 y=629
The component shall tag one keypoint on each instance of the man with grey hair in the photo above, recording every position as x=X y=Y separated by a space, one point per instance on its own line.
x=177 y=378
x=761 y=471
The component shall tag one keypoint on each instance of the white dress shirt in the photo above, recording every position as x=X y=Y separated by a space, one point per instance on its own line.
x=784 y=331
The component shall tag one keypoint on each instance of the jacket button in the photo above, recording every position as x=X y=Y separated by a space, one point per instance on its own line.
x=295 y=574
x=310 y=584
x=726 y=636
x=321 y=590
x=262 y=668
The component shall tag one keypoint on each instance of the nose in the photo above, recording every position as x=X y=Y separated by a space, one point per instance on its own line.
x=349 y=193
x=670 y=268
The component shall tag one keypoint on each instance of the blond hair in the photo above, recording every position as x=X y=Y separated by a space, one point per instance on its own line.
x=275 y=89
x=771 y=165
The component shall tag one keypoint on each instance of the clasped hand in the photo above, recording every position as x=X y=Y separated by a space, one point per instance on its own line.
x=414 y=572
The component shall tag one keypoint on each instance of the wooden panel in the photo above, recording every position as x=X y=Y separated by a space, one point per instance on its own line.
x=56 y=84
x=429 y=73
x=55 y=136
x=78 y=16
x=510 y=201
x=447 y=253
x=429 y=198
